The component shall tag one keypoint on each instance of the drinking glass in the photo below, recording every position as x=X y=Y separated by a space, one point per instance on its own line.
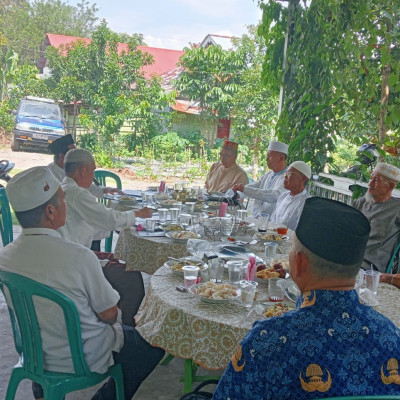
x=270 y=251
x=150 y=225
x=149 y=198
x=190 y=206
x=216 y=269
x=162 y=214
x=281 y=227
x=263 y=220
x=190 y=273
x=242 y=214
x=275 y=289
x=185 y=220
x=372 y=280
x=196 y=222
x=359 y=280
x=143 y=194
x=234 y=270
x=174 y=214
x=226 y=225
x=247 y=292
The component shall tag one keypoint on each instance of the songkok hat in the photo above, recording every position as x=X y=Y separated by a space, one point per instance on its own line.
x=31 y=188
x=390 y=171
x=302 y=167
x=228 y=144
x=61 y=145
x=278 y=146
x=79 y=156
x=333 y=230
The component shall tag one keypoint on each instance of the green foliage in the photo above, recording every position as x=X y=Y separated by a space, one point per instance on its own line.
x=169 y=146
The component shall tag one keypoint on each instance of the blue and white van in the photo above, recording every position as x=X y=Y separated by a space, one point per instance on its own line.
x=38 y=123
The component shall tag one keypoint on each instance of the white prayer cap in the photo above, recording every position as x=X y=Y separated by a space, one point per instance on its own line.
x=302 y=167
x=78 y=155
x=278 y=146
x=390 y=171
x=31 y=188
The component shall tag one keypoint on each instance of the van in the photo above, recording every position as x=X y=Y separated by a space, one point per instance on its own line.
x=38 y=123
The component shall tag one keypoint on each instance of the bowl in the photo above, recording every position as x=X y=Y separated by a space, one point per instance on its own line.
x=176 y=265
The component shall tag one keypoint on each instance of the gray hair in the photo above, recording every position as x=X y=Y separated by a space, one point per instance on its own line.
x=324 y=269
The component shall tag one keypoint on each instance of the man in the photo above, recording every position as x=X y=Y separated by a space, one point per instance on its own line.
x=331 y=345
x=270 y=187
x=59 y=148
x=40 y=253
x=290 y=204
x=383 y=212
x=226 y=173
x=85 y=216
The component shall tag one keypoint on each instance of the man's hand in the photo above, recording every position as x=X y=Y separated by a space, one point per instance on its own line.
x=238 y=188
x=110 y=190
x=143 y=213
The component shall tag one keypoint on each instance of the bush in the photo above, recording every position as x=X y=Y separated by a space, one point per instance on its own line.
x=170 y=145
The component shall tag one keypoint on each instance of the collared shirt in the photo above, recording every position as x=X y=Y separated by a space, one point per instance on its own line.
x=266 y=192
x=289 y=208
x=59 y=173
x=42 y=255
x=331 y=346
x=385 y=230
x=86 y=217
x=220 y=179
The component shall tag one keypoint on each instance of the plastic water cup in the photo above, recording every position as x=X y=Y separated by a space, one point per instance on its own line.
x=216 y=269
x=226 y=226
x=149 y=198
x=372 y=280
x=242 y=214
x=263 y=221
x=190 y=273
x=247 y=292
x=174 y=214
x=270 y=250
x=162 y=214
x=275 y=289
x=143 y=194
x=234 y=270
x=150 y=225
x=190 y=206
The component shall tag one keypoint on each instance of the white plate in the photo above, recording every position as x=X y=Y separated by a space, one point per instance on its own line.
x=194 y=288
x=168 y=204
x=260 y=308
x=166 y=226
x=172 y=235
x=274 y=237
x=170 y=264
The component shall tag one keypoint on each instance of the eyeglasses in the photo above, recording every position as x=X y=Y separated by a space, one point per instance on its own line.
x=288 y=173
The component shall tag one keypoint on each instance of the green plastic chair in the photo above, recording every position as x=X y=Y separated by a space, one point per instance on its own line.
x=367 y=397
x=6 y=228
x=28 y=342
x=102 y=175
x=394 y=260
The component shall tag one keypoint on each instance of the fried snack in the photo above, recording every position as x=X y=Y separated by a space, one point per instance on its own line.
x=271 y=236
x=212 y=290
x=267 y=273
x=277 y=310
x=184 y=235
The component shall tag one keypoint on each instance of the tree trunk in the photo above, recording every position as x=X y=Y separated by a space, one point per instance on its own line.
x=384 y=105
x=74 y=122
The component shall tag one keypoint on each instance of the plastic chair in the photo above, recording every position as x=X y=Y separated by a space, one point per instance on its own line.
x=6 y=228
x=366 y=397
x=392 y=267
x=101 y=175
x=28 y=342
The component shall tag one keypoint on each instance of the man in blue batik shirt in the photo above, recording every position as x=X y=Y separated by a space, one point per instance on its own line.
x=331 y=345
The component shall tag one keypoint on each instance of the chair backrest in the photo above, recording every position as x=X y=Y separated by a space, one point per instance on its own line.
x=101 y=175
x=393 y=265
x=24 y=320
x=6 y=229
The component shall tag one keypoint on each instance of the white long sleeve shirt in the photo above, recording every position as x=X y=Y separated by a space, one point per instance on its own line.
x=266 y=192
x=86 y=217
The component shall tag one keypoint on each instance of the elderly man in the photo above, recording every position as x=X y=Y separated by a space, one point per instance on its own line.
x=40 y=253
x=270 y=187
x=331 y=345
x=290 y=204
x=85 y=216
x=59 y=148
x=226 y=173
x=383 y=213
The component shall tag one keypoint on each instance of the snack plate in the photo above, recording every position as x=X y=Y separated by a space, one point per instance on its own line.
x=182 y=240
x=167 y=204
x=171 y=263
x=273 y=237
x=169 y=227
x=260 y=308
x=194 y=288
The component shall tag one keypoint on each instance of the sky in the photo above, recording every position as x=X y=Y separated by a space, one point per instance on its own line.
x=173 y=24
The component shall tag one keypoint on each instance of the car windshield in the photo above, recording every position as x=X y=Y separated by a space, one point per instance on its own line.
x=40 y=110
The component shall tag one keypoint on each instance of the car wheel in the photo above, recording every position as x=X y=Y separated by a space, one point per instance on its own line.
x=15 y=144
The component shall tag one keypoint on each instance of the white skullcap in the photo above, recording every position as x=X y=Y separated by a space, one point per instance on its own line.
x=78 y=155
x=278 y=146
x=31 y=188
x=302 y=167
x=390 y=171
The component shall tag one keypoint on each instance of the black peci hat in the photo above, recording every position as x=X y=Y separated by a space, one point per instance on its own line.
x=61 y=144
x=333 y=231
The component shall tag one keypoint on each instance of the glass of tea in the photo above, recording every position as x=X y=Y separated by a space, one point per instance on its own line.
x=281 y=228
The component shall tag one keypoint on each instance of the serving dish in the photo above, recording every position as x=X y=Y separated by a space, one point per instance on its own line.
x=215 y=293
x=182 y=236
x=272 y=237
x=273 y=309
x=177 y=265
x=171 y=227
x=168 y=203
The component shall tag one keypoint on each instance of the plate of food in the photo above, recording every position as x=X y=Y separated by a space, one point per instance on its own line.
x=216 y=293
x=169 y=203
x=171 y=227
x=152 y=188
x=177 y=265
x=198 y=207
x=245 y=224
x=273 y=309
x=126 y=200
x=182 y=236
x=241 y=240
x=272 y=237
x=213 y=204
x=263 y=272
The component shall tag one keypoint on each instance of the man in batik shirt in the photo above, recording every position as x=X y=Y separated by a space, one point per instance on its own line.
x=331 y=345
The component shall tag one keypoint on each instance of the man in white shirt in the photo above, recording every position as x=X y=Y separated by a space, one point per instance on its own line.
x=267 y=190
x=85 y=216
x=40 y=253
x=290 y=204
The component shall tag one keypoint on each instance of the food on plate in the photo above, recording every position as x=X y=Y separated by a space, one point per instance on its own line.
x=168 y=202
x=214 y=204
x=231 y=239
x=277 y=310
x=212 y=213
x=216 y=291
x=172 y=227
x=270 y=272
x=260 y=267
x=178 y=265
x=271 y=236
x=184 y=235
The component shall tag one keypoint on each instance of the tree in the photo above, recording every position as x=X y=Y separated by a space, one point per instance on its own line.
x=342 y=74
x=136 y=38
x=111 y=86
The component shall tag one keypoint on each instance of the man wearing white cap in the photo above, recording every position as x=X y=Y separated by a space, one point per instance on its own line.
x=290 y=204
x=85 y=216
x=41 y=254
x=267 y=190
x=383 y=213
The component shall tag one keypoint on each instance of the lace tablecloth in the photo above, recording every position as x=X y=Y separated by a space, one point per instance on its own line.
x=189 y=328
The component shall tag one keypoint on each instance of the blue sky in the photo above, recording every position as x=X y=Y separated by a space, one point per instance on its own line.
x=174 y=23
